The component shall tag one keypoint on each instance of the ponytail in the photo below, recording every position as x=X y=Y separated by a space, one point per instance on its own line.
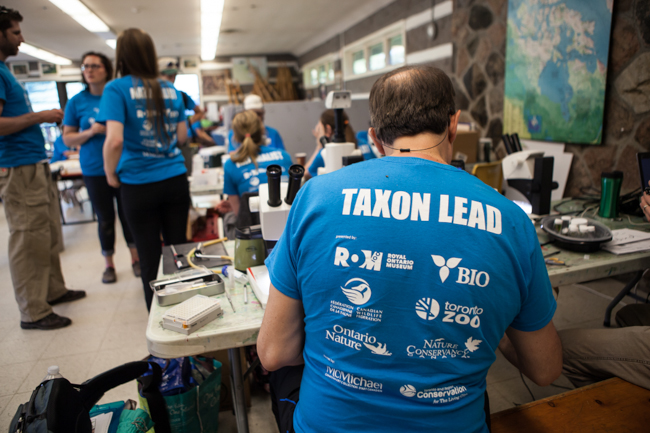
x=247 y=129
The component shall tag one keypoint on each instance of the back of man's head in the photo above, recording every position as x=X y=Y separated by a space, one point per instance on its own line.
x=7 y=17
x=409 y=101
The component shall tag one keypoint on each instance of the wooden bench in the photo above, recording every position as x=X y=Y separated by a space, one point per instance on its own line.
x=613 y=405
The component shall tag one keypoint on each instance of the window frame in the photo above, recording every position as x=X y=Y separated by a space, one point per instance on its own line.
x=324 y=61
x=364 y=44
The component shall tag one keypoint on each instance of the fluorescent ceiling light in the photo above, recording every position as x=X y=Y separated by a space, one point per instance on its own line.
x=111 y=43
x=81 y=14
x=44 y=55
x=211 y=14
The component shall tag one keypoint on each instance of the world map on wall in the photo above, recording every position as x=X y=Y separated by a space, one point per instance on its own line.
x=556 y=67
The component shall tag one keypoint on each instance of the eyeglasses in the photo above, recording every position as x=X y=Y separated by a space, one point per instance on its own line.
x=84 y=67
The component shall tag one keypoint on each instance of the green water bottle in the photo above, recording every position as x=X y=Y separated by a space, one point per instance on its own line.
x=610 y=190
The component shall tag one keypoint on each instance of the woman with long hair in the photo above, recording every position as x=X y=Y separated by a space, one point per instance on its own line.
x=323 y=132
x=144 y=124
x=246 y=169
x=81 y=131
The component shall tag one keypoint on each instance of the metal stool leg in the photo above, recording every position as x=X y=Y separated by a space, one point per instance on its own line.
x=621 y=295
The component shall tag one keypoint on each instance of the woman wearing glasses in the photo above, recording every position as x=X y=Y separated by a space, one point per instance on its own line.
x=144 y=123
x=81 y=131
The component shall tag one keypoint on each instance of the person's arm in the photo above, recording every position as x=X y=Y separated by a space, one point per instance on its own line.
x=536 y=354
x=234 y=202
x=181 y=133
x=282 y=335
x=73 y=138
x=204 y=137
x=645 y=204
x=11 y=125
x=113 y=151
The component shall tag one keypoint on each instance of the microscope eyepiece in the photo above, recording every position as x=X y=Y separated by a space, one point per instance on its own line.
x=273 y=174
x=296 y=172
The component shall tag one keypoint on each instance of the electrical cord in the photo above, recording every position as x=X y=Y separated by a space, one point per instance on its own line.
x=207 y=244
x=526 y=385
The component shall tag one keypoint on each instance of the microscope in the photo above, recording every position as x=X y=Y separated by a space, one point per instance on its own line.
x=531 y=173
x=338 y=153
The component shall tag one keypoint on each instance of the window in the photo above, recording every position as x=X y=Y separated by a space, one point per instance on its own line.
x=320 y=71
x=73 y=87
x=377 y=57
x=377 y=53
x=396 y=51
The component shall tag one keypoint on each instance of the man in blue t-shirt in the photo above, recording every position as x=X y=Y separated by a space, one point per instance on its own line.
x=273 y=138
x=395 y=280
x=29 y=195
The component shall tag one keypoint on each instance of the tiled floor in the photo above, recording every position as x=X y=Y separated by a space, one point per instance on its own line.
x=109 y=329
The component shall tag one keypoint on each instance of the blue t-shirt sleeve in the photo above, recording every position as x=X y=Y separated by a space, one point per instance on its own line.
x=229 y=186
x=112 y=105
x=70 y=118
x=3 y=88
x=317 y=162
x=537 y=304
x=276 y=139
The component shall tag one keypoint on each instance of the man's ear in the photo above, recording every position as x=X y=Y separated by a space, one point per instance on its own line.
x=373 y=136
x=453 y=127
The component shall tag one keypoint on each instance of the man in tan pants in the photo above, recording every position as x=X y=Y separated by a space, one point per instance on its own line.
x=29 y=195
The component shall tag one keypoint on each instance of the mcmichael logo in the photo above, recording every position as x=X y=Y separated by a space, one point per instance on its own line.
x=372 y=260
x=467 y=276
x=427 y=308
x=359 y=294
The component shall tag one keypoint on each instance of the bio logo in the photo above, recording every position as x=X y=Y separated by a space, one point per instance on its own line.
x=467 y=276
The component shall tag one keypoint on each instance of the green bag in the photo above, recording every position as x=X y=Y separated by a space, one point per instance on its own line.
x=195 y=411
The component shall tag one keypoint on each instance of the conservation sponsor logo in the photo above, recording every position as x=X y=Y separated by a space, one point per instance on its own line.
x=352 y=381
x=427 y=308
x=442 y=349
x=356 y=340
x=438 y=395
x=462 y=315
x=471 y=277
x=358 y=292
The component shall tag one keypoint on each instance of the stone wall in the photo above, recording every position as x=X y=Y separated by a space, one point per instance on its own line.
x=479 y=30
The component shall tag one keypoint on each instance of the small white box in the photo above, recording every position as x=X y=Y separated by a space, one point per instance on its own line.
x=192 y=314
x=260 y=281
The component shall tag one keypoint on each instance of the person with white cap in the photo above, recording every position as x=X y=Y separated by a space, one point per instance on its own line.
x=168 y=70
x=273 y=139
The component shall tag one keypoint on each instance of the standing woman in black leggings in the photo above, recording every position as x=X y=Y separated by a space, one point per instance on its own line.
x=144 y=124
x=81 y=131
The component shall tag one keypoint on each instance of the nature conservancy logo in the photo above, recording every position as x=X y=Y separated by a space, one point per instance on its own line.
x=427 y=308
x=442 y=349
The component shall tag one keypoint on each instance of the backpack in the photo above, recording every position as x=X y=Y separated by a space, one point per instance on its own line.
x=57 y=406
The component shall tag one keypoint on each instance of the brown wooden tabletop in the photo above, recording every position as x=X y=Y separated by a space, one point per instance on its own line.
x=613 y=405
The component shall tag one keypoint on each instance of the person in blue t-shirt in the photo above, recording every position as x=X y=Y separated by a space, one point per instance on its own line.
x=395 y=280
x=323 y=132
x=246 y=168
x=272 y=137
x=81 y=131
x=144 y=125
x=30 y=196
x=59 y=150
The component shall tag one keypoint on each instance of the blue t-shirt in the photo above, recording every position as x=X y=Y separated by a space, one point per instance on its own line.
x=409 y=272
x=28 y=145
x=271 y=133
x=81 y=112
x=241 y=177
x=144 y=158
x=59 y=148
x=320 y=162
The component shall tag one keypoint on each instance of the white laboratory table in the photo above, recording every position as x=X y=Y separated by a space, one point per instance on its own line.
x=231 y=331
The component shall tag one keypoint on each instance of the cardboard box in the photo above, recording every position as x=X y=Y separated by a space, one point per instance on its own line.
x=466 y=146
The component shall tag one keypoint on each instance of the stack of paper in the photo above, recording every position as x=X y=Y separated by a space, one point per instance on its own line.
x=627 y=241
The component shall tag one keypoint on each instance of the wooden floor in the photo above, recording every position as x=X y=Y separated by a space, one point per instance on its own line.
x=613 y=405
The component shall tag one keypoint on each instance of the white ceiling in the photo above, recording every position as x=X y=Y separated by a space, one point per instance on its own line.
x=262 y=26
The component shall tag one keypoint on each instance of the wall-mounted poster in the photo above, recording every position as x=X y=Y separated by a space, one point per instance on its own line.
x=215 y=81
x=241 y=71
x=20 y=69
x=556 y=67
x=48 y=68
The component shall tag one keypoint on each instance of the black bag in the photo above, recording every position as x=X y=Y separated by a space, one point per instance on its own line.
x=57 y=406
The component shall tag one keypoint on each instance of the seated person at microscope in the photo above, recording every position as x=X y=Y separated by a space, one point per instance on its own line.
x=271 y=136
x=392 y=290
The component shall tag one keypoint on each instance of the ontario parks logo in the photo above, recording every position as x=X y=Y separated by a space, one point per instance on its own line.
x=359 y=294
x=445 y=265
x=427 y=308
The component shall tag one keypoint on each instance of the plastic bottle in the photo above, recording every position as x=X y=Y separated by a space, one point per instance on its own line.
x=52 y=373
x=234 y=275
